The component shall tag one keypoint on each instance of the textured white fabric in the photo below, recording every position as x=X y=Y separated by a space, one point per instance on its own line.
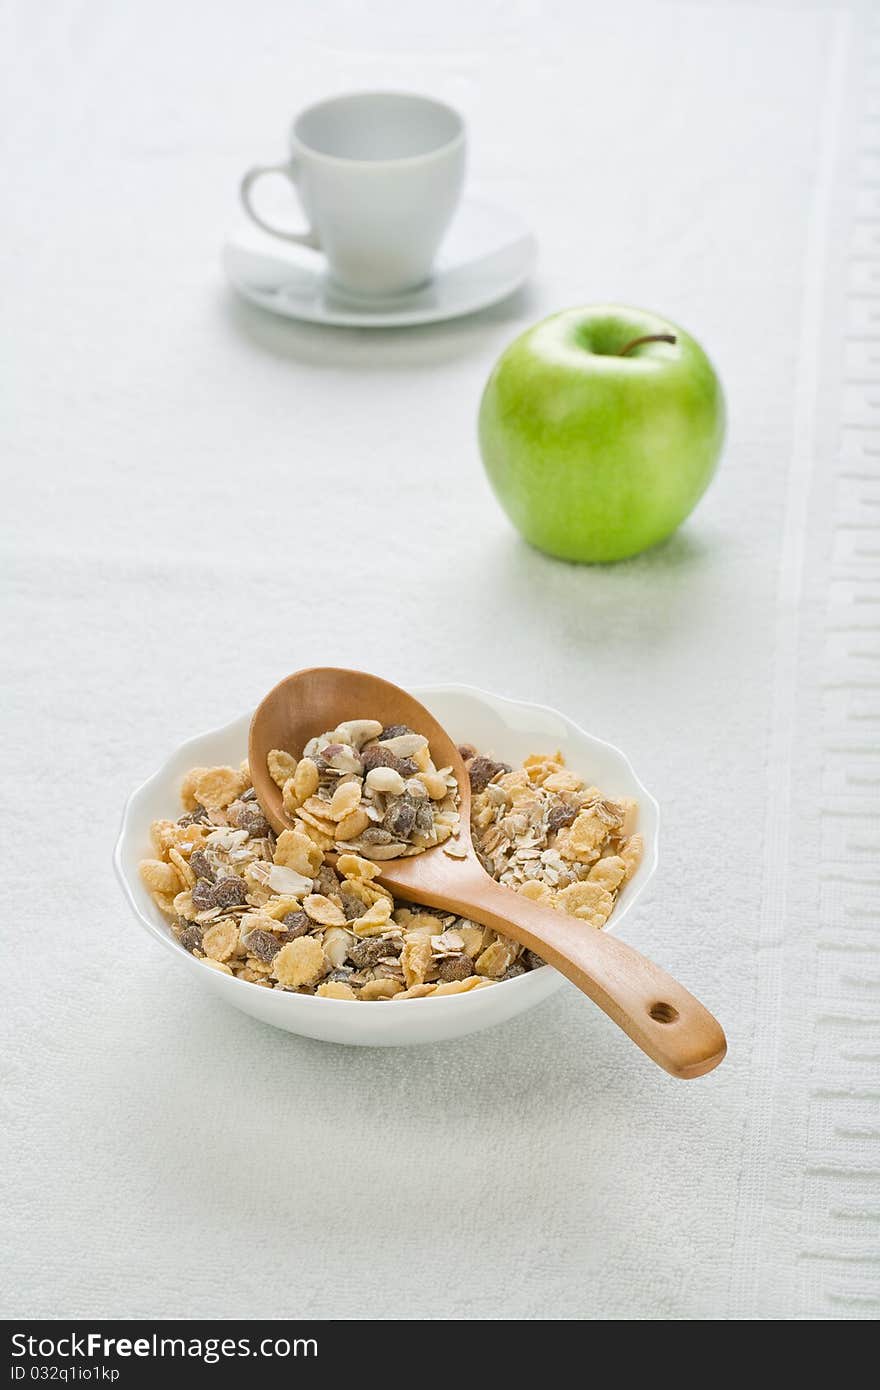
x=199 y=499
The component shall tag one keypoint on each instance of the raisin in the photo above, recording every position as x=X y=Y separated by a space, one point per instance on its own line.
x=513 y=970
x=263 y=944
x=400 y=818
x=229 y=892
x=377 y=756
x=394 y=731
x=191 y=938
x=193 y=817
x=352 y=906
x=456 y=968
x=257 y=826
x=561 y=814
x=295 y=924
x=533 y=960
x=203 y=895
x=481 y=771
x=467 y=751
x=201 y=865
x=424 y=818
x=249 y=818
x=372 y=949
x=375 y=835
x=326 y=881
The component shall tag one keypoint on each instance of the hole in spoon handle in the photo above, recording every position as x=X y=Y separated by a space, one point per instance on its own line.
x=659 y=1014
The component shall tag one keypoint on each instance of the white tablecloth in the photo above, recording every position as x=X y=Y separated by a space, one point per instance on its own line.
x=199 y=499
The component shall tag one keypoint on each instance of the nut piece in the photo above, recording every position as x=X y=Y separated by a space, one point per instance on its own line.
x=299 y=963
x=385 y=779
x=357 y=732
x=336 y=946
x=282 y=879
x=393 y=731
x=405 y=745
x=434 y=785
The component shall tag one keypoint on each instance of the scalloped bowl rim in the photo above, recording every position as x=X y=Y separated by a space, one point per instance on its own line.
x=533 y=982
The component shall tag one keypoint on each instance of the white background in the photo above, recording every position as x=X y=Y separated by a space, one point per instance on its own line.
x=199 y=499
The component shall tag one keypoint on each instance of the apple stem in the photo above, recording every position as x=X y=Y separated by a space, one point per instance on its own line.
x=648 y=338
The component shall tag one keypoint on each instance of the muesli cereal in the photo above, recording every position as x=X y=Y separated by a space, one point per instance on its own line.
x=272 y=912
x=544 y=832
x=369 y=790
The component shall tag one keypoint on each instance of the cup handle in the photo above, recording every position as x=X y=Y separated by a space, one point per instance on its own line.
x=290 y=171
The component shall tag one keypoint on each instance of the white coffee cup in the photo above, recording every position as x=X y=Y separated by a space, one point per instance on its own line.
x=379 y=175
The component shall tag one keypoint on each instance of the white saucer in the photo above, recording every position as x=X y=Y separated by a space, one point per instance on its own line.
x=487 y=254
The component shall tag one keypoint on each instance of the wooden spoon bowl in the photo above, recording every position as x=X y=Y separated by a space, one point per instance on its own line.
x=657 y=1012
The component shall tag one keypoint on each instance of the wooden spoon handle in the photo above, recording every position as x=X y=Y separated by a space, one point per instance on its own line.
x=658 y=1013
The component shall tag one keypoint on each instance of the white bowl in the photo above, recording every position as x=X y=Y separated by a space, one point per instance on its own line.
x=510 y=729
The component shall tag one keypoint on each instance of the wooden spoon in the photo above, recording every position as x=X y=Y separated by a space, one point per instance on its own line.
x=658 y=1013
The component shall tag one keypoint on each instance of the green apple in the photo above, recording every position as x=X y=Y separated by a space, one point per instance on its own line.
x=600 y=429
